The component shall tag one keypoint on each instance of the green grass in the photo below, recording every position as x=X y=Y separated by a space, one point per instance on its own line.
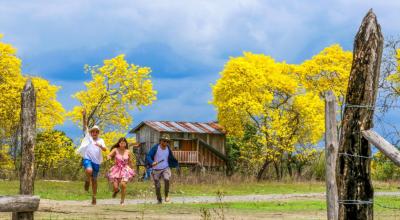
x=286 y=206
x=382 y=203
x=276 y=206
x=74 y=190
x=307 y=209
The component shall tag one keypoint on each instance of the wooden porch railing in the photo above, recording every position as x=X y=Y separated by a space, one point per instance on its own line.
x=186 y=156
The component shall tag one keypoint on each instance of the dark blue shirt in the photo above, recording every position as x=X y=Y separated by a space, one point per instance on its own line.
x=172 y=161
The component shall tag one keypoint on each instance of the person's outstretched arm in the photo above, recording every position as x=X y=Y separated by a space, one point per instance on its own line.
x=130 y=159
x=111 y=154
x=84 y=122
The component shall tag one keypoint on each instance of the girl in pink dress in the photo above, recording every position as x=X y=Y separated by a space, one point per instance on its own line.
x=122 y=172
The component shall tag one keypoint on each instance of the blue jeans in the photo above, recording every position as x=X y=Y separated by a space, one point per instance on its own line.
x=148 y=173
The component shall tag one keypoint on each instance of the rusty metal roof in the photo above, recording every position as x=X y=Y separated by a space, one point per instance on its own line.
x=186 y=127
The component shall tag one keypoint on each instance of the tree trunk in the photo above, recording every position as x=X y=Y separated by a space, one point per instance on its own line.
x=28 y=121
x=289 y=165
x=277 y=171
x=299 y=171
x=353 y=172
x=261 y=172
x=44 y=171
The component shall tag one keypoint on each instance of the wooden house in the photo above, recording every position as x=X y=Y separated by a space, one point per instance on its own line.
x=192 y=143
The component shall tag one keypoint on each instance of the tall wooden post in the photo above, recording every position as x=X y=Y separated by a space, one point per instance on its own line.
x=331 y=150
x=28 y=122
x=353 y=171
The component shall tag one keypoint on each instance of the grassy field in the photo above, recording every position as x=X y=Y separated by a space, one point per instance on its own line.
x=73 y=190
x=286 y=209
x=385 y=207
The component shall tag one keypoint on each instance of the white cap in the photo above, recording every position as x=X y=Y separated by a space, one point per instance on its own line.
x=95 y=127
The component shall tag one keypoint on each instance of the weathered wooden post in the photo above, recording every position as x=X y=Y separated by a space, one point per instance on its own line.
x=383 y=145
x=353 y=171
x=28 y=122
x=331 y=150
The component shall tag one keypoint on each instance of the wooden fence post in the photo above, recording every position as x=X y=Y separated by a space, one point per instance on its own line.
x=355 y=189
x=331 y=150
x=384 y=146
x=28 y=122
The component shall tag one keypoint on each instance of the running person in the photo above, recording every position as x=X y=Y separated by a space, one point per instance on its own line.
x=122 y=172
x=161 y=159
x=90 y=150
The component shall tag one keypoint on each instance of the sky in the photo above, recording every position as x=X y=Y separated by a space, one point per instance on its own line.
x=186 y=43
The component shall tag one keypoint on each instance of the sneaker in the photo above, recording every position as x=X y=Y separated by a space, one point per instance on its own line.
x=159 y=201
x=87 y=184
x=115 y=193
x=94 y=200
x=167 y=199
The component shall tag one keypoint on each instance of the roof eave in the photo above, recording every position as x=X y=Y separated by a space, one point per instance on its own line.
x=137 y=127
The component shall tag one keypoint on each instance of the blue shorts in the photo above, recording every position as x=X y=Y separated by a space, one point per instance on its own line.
x=89 y=164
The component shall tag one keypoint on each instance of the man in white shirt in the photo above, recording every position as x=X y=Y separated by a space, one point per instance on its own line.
x=90 y=150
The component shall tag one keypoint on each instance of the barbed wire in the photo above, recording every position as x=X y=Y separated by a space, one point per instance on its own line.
x=359 y=139
x=355 y=202
x=355 y=155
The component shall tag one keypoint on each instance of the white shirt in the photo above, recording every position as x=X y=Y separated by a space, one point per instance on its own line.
x=89 y=150
x=161 y=155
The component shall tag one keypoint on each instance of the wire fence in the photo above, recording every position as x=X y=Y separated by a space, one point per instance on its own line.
x=377 y=202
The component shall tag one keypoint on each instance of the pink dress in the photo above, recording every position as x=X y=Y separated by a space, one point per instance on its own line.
x=121 y=171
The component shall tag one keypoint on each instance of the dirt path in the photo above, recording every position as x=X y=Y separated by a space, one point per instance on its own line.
x=110 y=208
x=206 y=199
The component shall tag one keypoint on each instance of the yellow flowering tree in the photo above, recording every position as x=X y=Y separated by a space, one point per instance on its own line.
x=382 y=168
x=6 y=163
x=395 y=77
x=53 y=150
x=255 y=89
x=11 y=83
x=116 y=88
x=328 y=70
x=49 y=111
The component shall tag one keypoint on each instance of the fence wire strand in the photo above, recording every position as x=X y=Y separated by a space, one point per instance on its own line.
x=359 y=139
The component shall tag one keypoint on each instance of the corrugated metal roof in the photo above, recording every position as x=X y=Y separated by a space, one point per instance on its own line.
x=187 y=127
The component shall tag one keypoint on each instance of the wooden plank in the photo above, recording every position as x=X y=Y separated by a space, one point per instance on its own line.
x=20 y=203
x=331 y=150
x=197 y=149
x=385 y=147
x=354 y=171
